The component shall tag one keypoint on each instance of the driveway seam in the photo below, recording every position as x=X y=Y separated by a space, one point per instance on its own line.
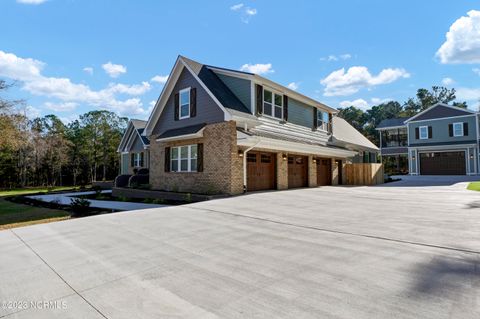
x=341 y=232
x=58 y=275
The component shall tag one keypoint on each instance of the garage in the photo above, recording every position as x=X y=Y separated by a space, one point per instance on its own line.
x=442 y=163
x=260 y=171
x=297 y=171
x=324 y=171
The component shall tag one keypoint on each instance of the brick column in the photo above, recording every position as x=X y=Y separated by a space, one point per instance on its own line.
x=312 y=172
x=334 y=172
x=282 y=172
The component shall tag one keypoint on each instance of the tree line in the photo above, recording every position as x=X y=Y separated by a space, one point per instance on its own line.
x=367 y=121
x=47 y=152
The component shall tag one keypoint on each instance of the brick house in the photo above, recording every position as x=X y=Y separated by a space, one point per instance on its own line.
x=216 y=130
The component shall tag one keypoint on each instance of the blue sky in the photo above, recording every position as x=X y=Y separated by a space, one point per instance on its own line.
x=72 y=56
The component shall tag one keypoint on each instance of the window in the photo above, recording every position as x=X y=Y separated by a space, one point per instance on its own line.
x=423 y=132
x=322 y=120
x=184 y=103
x=137 y=160
x=458 y=129
x=183 y=158
x=272 y=104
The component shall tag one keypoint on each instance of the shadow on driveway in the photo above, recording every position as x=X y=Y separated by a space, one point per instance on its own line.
x=423 y=180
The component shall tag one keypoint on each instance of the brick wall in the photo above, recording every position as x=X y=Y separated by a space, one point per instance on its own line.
x=222 y=167
x=282 y=172
x=312 y=172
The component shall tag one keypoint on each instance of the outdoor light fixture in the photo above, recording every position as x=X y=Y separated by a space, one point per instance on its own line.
x=314 y=160
x=284 y=156
x=413 y=157
x=471 y=156
x=240 y=153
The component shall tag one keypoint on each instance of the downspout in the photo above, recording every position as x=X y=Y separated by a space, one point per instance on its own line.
x=245 y=166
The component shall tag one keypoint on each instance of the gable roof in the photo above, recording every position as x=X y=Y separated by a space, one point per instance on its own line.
x=395 y=122
x=440 y=110
x=134 y=127
x=346 y=134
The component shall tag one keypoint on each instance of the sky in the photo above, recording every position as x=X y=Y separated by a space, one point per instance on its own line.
x=67 y=57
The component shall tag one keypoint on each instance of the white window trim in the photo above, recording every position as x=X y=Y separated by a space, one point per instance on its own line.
x=324 y=126
x=420 y=132
x=179 y=159
x=461 y=126
x=180 y=103
x=273 y=104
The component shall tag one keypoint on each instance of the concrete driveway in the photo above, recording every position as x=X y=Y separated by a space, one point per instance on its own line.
x=329 y=252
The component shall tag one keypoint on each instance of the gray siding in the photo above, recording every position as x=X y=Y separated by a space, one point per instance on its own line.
x=300 y=113
x=440 y=131
x=240 y=87
x=137 y=145
x=207 y=110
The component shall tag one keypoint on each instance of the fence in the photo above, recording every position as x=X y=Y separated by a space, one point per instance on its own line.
x=363 y=174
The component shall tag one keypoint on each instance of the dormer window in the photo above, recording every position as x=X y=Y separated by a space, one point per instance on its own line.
x=185 y=103
x=272 y=104
x=322 y=120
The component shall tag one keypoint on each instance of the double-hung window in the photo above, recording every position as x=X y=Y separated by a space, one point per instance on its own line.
x=137 y=160
x=423 y=132
x=184 y=103
x=184 y=158
x=272 y=104
x=322 y=120
x=457 y=129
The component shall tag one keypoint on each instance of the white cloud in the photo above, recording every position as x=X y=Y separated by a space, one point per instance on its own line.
x=377 y=101
x=114 y=70
x=468 y=94
x=236 y=7
x=476 y=71
x=340 y=82
x=69 y=118
x=463 y=40
x=257 y=68
x=162 y=79
x=31 y=112
x=61 y=107
x=28 y=71
x=332 y=57
x=88 y=70
x=250 y=11
x=358 y=103
x=31 y=1
x=293 y=86
x=447 y=81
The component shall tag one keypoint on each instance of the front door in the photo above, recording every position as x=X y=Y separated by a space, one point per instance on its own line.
x=297 y=171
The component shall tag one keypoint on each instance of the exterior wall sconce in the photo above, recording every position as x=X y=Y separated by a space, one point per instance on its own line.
x=413 y=157
x=314 y=160
x=240 y=153
x=471 y=156
x=284 y=156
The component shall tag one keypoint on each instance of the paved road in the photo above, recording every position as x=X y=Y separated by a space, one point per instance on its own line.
x=329 y=252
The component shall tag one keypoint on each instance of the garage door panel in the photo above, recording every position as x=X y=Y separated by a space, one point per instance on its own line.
x=324 y=171
x=297 y=171
x=260 y=171
x=443 y=163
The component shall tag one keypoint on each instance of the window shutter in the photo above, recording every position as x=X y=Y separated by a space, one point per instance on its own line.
x=132 y=159
x=177 y=106
x=315 y=118
x=259 y=100
x=417 y=133
x=330 y=121
x=199 y=157
x=465 y=129
x=450 y=129
x=141 y=159
x=285 y=108
x=429 y=132
x=167 y=159
x=193 y=102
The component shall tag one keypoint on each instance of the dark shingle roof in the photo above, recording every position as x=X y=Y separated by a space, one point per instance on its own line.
x=392 y=122
x=145 y=139
x=182 y=131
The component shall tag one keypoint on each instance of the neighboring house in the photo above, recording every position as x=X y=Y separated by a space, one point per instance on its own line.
x=134 y=148
x=441 y=140
x=216 y=130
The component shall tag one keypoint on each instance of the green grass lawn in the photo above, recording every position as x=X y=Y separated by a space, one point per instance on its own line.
x=33 y=190
x=16 y=215
x=474 y=186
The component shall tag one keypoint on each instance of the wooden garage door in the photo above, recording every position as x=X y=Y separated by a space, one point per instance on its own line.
x=324 y=171
x=260 y=171
x=297 y=171
x=442 y=163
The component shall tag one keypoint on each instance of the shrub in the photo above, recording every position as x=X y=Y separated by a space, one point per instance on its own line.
x=158 y=201
x=80 y=207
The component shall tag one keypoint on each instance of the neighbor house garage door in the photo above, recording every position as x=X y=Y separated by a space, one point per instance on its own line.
x=260 y=171
x=324 y=171
x=442 y=163
x=297 y=171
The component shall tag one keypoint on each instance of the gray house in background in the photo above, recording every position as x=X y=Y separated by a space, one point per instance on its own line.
x=441 y=140
x=134 y=148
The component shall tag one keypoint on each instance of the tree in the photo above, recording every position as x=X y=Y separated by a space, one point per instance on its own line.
x=425 y=99
x=355 y=116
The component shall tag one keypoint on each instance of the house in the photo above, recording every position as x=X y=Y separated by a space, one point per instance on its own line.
x=216 y=130
x=134 y=148
x=441 y=140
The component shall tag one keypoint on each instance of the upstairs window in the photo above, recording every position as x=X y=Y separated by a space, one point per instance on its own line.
x=457 y=129
x=184 y=158
x=322 y=120
x=272 y=104
x=423 y=132
x=184 y=103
